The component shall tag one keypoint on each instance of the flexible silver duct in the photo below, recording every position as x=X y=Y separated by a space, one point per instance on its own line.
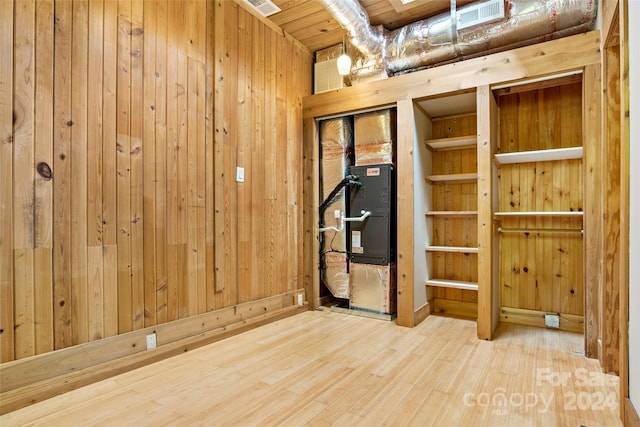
x=354 y=19
x=432 y=41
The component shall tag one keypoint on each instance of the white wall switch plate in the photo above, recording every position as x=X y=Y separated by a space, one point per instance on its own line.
x=239 y=174
x=300 y=302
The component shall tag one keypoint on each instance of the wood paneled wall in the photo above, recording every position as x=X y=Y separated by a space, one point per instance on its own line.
x=538 y=271
x=121 y=126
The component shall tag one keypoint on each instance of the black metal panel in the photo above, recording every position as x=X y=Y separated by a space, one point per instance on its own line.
x=373 y=241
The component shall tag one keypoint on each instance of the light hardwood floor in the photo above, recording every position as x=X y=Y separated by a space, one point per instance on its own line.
x=324 y=368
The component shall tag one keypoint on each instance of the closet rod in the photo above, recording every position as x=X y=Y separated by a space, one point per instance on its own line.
x=540 y=230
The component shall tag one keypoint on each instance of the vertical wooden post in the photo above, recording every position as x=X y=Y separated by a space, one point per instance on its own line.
x=592 y=241
x=311 y=196
x=625 y=184
x=609 y=313
x=488 y=301
x=404 y=212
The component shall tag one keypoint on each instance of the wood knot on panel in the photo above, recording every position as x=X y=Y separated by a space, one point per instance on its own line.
x=44 y=170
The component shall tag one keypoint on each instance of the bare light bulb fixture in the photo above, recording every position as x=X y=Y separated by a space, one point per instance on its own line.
x=344 y=62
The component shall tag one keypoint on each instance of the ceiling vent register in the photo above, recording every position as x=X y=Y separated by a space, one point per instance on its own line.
x=480 y=13
x=265 y=7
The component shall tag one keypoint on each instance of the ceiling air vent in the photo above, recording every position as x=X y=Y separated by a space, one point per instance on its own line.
x=481 y=13
x=265 y=7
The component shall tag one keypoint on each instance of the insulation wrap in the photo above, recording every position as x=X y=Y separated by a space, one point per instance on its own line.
x=373 y=287
x=336 y=276
x=375 y=137
x=336 y=144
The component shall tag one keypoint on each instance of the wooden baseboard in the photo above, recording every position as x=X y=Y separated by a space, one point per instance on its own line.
x=27 y=381
x=421 y=313
x=631 y=418
x=568 y=322
x=455 y=308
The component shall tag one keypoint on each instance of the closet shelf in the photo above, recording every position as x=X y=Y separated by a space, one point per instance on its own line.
x=455 y=143
x=557 y=214
x=455 y=284
x=452 y=214
x=457 y=249
x=539 y=155
x=453 y=178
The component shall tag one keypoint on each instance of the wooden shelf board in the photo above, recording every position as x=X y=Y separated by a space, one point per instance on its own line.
x=539 y=155
x=558 y=214
x=458 y=249
x=452 y=213
x=456 y=143
x=455 y=284
x=453 y=178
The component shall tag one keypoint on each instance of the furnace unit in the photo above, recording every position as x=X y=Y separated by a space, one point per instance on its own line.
x=372 y=276
x=373 y=241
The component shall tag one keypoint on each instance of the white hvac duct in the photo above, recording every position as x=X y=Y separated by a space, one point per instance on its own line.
x=436 y=40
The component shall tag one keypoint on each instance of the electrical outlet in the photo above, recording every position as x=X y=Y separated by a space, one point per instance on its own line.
x=300 y=302
x=239 y=174
x=151 y=341
x=552 y=321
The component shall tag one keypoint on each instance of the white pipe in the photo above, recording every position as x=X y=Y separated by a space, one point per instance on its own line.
x=343 y=219
x=365 y=215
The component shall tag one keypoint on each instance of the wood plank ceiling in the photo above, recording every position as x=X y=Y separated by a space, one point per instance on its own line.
x=315 y=28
